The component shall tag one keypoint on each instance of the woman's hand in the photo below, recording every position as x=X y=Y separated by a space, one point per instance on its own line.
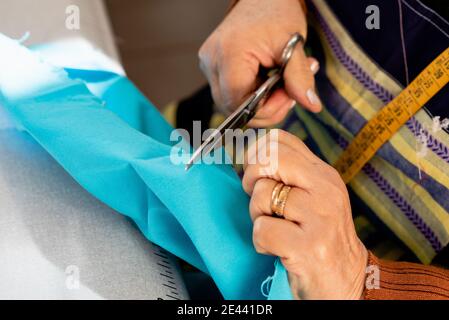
x=316 y=240
x=252 y=35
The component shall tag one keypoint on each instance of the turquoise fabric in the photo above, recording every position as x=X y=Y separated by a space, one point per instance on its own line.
x=106 y=134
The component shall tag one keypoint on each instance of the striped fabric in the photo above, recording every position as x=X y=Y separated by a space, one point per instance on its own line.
x=353 y=87
x=400 y=199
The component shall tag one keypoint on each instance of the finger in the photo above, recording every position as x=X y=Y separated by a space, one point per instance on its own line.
x=300 y=83
x=260 y=149
x=297 y=205
x=211 y=75
x=277 y=99
x=275 y=236
x=281 y=164
x=314 y=65
x=274 y=119
x=294 y=142
x=279 y=104
x=264 y=149
x=260 y=203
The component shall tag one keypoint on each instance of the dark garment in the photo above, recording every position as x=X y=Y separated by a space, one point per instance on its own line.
x=400 y=199
x=426 y=34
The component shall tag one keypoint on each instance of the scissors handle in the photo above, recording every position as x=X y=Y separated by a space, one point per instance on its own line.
x=290 y=48
x=246 y=111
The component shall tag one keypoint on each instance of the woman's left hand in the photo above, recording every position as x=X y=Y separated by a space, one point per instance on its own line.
x=316 y=239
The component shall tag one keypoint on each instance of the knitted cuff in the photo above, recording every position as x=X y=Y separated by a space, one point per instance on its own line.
x=391 y=280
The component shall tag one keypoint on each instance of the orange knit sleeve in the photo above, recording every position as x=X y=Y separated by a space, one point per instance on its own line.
x=389 y=280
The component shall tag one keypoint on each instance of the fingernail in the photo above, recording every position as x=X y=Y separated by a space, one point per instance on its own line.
x=293 y=105
x=314 y=67
x=313 y=98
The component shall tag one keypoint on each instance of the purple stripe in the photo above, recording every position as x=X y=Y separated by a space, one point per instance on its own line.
x=432 y=143
x=379 y=91
x=399 y=201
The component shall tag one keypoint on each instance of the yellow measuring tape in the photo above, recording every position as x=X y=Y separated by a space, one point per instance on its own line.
x=392 y=116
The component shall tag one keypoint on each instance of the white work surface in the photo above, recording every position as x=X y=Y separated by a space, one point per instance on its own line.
x=56 y=240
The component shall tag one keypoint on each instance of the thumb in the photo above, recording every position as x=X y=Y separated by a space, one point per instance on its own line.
x=299 y=80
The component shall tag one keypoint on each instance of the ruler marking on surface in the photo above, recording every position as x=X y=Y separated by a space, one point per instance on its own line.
x=163 y=265
x=160 y=255
x=166 y=275
x=168 y=286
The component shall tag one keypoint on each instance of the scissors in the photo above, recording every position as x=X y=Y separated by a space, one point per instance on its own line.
x=246 y=111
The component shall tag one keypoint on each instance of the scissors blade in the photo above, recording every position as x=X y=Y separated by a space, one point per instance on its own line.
x=237 y=119
x=216 y=137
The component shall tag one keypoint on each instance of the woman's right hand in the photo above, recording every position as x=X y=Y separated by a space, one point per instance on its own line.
x=254 y=34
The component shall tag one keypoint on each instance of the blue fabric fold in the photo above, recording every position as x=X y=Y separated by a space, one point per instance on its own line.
x=116 y=145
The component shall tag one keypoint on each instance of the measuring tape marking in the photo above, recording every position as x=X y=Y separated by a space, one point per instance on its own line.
x=392 y=116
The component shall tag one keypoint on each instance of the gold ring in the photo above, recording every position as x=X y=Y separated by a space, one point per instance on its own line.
x=279 y=198
x=275 y=195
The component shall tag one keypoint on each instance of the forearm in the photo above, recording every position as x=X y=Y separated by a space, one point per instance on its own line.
x=405 y=281
x=301 y=2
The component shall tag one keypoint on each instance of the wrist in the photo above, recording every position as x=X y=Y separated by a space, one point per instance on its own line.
x=296 y=12
x=302 y=3
x=360 y=274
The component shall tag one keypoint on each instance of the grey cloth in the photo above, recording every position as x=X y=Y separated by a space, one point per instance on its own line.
x=45 y=20
x=56 y=240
